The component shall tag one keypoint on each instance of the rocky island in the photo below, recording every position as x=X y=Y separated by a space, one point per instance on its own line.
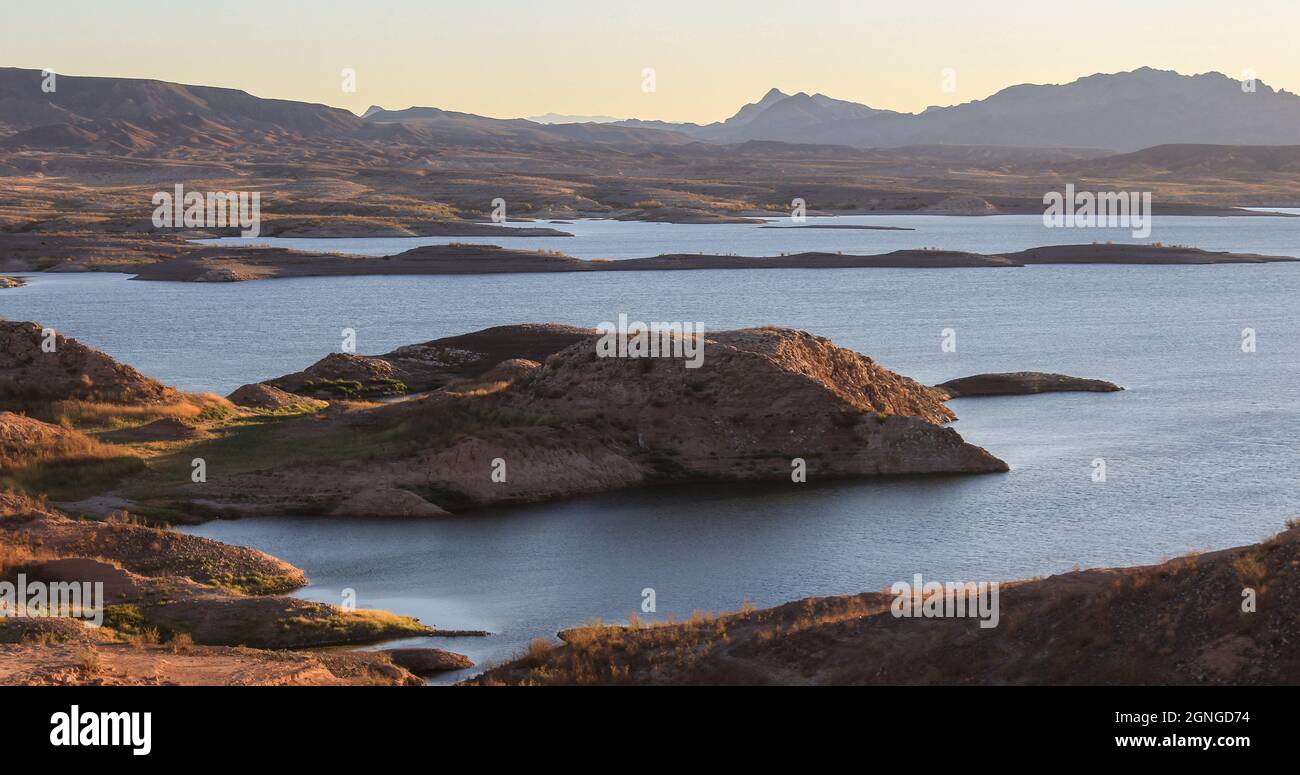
x=224 y=264
x=1023 y=383
x=851 y=226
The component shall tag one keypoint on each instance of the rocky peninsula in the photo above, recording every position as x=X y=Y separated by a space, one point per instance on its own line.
x=561 y=420
x=851 y=226
x=1086 y=627
x=179 y=609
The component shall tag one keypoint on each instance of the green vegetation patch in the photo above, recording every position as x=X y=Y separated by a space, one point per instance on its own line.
x=328 y=624
x=256 y=583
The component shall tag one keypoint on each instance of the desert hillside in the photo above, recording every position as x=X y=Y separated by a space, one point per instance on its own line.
x=1180 y=622
x=40 y=367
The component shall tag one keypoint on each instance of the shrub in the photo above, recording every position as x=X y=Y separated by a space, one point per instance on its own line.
x=87 y=660
x=538 y=649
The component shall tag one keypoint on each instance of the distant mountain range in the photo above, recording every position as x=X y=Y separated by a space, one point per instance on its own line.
x=1120 y=112
x=778 y=116
x=137 y=115
x=466 y=128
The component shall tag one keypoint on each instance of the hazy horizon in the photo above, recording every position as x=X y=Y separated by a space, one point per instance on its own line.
x=511 y=59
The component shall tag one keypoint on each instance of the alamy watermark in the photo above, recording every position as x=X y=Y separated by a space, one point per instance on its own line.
x=653 y=340
x=179 y=209
x=1088 y=209
x=38 y=599
x=946 y=600
x=132 y=729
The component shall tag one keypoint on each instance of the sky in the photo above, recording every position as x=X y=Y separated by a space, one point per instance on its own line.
x=515 y=58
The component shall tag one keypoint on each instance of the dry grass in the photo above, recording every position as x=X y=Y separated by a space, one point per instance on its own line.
x=181 y=642
x=88 y=660
x=192 y=407
x=17 y=550
x=15 y=503
x=147 y=636
x=62 y=462
x=41 y=445
x=479 y=388
x=13 y=559
x=1251 y=570
x=538 y=649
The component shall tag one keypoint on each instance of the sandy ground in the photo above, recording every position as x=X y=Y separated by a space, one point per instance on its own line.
x=124 y=664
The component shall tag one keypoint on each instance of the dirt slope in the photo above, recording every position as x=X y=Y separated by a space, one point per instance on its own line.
x=1180 y=622
x=72 y=371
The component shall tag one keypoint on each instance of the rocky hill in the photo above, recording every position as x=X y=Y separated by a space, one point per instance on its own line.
x=427 y=366
x=508 y=414
x=1180 y=622
x=72 y=371
x=580 y=423
x=219 y=609
x=133 y=114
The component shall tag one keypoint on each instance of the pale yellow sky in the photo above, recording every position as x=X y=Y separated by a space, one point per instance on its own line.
x=513 y=58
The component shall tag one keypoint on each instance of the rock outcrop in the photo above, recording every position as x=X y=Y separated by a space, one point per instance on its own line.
x=169 y=583
x=765 y=402
x=199 y=595
x=509 y=370
x=272 y=399
x=525 y=413
x=387 y=502
x=428 y=661
x=1023 y=383
x=344 y=376
x=422 y=367
x=763 y=398
x=147 y=551
x=66 y=369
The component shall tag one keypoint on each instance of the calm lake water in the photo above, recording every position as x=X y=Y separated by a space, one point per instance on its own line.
x=1200 y=451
